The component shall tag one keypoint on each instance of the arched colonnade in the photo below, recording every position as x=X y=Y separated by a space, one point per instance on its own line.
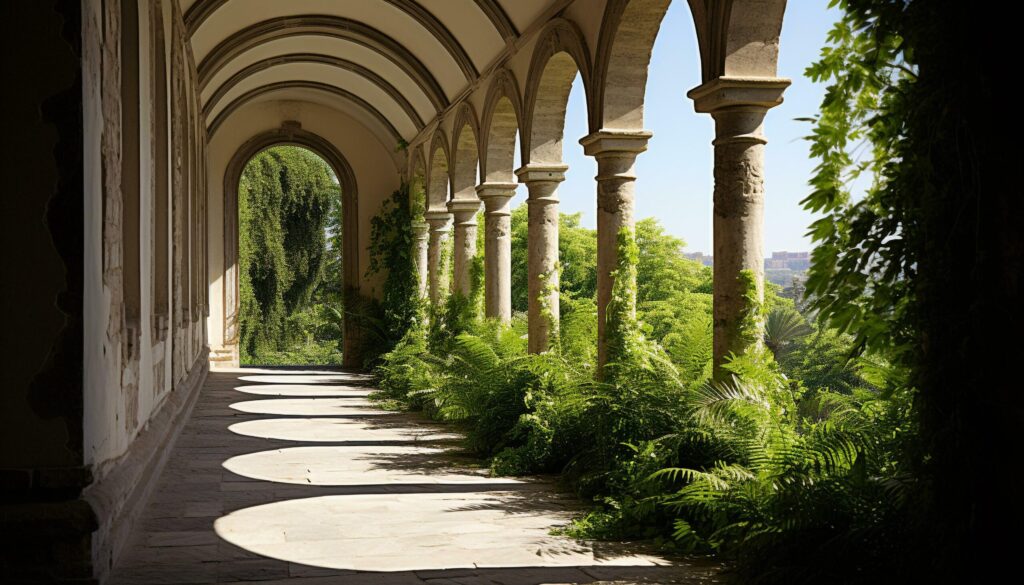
x=465 y=161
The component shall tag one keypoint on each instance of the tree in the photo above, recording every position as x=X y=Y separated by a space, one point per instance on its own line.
x=664 y=267
x=577 y=257
x=925 y=268
x=285 y=196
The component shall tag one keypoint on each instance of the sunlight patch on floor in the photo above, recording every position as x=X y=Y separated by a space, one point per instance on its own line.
x=329 y=430
x=363 y=465
x=398 y=532
x=306 y=390
x=308 y=407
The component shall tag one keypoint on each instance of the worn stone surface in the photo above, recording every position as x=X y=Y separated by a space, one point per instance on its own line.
x=440 y=226
x=420 y=236
x=497 y=249
x=542 y=251
x=464 y=215
x=616 y=153
x=293 y=477
x=739 y=106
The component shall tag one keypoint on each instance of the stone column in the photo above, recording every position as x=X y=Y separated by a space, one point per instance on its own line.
x=616 y=152
x=542 y=261
x=497 y=249
x=464 y=212
x=439 y=228
x=419 y=254
x=738 y=106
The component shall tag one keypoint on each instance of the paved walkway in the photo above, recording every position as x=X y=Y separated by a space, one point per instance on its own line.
x=294 y=477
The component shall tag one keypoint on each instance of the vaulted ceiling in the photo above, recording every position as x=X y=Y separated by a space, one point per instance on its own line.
x=392 y=64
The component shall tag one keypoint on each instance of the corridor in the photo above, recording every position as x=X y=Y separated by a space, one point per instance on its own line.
x=295 y=476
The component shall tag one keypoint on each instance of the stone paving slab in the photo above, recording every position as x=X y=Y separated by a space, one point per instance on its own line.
x=295 y=477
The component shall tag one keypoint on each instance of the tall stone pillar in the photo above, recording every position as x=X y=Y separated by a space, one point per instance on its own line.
x=616 y=152
x=738 y=106
x=419 y=253
x=542 y=261
x=464 y=212
x=439 y=227
x=497 y=249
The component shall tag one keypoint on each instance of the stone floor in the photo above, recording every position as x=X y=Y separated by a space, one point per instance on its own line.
x=291 y=476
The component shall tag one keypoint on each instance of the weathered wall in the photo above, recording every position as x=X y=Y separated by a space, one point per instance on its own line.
x=144 y=358
x=130 y=367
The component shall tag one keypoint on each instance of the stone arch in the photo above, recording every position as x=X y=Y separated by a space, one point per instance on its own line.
x=394 y=136
x=465 y=154
x=738 y=38
x=498 y=127
x=313 y=58
x=438 y=173
x=291 y=135
x=628 y=31
x=560 y=54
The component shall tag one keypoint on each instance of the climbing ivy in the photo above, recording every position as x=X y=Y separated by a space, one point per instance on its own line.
x=623 y=337
x=548 y=290
x=459 y=312
x=287 y=196
x=391 y=254
x=751 y=321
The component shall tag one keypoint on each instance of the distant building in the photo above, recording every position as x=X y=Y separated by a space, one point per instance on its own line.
x=791 y=260
x=700 y=257
x=781 y=265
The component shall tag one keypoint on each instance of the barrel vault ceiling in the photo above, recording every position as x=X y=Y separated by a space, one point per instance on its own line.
x=391 y=64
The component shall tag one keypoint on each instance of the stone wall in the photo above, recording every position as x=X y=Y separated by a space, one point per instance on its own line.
x=98 y=377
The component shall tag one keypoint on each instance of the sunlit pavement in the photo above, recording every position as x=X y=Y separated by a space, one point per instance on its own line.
x=291 y=476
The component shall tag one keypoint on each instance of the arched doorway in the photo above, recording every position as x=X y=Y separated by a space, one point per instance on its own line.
x=228 y=354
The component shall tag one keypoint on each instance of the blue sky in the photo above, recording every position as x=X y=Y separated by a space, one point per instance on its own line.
x=675 y=174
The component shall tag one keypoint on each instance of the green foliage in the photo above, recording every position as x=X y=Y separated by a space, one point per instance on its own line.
x=290 y=258
x=391 y=253
x=752 y=317
x=861 y=267
x=624 y=339
x=778 y=465
x=577 y=256
x=783 y=328
x=665 y=268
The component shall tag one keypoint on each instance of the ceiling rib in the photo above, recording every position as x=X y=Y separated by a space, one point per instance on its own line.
x=319 y=25
x=201 y=10
x=302 y=84
x=356 y=68
x=444 y=36
x=499 y=18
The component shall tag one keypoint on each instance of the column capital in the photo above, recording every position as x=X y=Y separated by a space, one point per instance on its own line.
x=496 y=197
x=419 y=229
x=726 y=92
x=542 y=172
x=464 y=210
x=615 y=141
x=493 y=190
x=438 y=220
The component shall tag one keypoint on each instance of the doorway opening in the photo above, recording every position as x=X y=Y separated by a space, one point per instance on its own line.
x=290 y=231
